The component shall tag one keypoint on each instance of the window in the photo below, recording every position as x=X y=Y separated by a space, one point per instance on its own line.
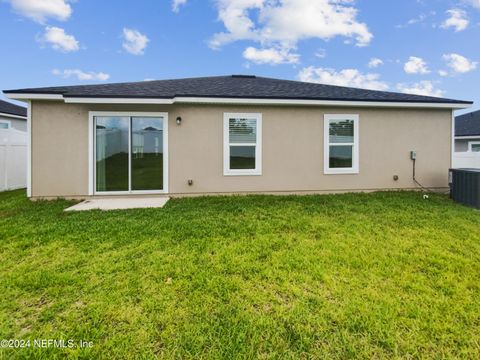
x=242 y=148
x=4 y=125
x=474 y=146
x=341 y=144
x=129 y=152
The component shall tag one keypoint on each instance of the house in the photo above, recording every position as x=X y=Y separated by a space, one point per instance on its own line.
x=13 y=116
x=467 y=132
x=13 y=146
x=233 y=134
x=467 y=141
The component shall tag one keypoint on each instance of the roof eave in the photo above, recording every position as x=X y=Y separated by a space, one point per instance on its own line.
x=13 y=116
x=324 y=102
x=237 y=101
x=32 y=96
x=474 y=136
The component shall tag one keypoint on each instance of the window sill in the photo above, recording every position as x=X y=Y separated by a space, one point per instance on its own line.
x=341 y=172
x=242 y=173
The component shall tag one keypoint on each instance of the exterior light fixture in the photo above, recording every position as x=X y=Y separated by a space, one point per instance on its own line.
x=179 y=120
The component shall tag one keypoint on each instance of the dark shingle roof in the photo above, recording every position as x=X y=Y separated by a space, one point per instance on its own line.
x=234 y=86
x=468 y=124
x=9 y=108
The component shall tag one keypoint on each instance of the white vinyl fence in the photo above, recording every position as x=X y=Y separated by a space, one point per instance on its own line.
x=13 y=159
x=466 y=159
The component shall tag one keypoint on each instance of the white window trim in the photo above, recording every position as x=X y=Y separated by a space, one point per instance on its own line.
x=8 y=122
x=226 y=145
x=326 y=141
x=92 y=154
x=470 y=143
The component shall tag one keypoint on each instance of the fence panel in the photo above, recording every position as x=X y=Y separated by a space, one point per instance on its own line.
x=13 y=159
x=469 y=160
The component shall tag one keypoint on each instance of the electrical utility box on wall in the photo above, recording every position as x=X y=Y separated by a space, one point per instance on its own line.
x=465 y=186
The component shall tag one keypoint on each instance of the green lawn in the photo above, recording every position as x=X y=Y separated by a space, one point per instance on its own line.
x=385 y=275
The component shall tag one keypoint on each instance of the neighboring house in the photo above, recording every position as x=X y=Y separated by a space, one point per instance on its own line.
x=233 y=134
x=467 y=141
x=13 y=116
x=13 y=146
x=467 y=132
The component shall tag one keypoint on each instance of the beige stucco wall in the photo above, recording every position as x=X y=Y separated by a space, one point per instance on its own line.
x=292 y=149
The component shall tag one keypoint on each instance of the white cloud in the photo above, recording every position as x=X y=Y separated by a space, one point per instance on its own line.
x=59 y=40
x=346 y=77
x=418 y=20
x=176 y=4
x=474 y=3
x=321 y=53
x=416 y=65
x=81 y=75
x=270 y=56
x=375 y=62
x=424 y=87
x=442 y=73
x=41 y=10
x=459 y=63
x=457 y=20
x=282 y=23
x=134 y=42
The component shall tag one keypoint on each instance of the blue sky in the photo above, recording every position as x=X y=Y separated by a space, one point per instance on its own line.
x=418 y=46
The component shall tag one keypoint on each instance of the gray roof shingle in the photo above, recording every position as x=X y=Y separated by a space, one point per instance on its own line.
x=468 y=124
x=234 y=86
x=12 y=109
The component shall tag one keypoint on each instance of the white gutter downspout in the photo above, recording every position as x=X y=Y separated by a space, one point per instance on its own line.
x=29 y=149
x=453 y=139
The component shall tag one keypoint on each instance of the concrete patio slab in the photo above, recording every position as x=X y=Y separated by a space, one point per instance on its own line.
x=119 y=204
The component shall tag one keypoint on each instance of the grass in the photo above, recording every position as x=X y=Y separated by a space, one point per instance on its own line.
x=354 y=276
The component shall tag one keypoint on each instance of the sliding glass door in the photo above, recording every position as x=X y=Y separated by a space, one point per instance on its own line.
x=112 y=153
x=129 y=153
x=147 y=153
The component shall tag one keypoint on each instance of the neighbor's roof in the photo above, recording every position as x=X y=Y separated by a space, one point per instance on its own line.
x=234 y=86
x=468 y=124
x=12 y=109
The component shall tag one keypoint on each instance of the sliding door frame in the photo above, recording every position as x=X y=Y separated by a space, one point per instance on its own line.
x=92 y=151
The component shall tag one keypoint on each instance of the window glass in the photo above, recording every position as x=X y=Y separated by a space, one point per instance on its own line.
x=341 y=156
x=112 y=153
x=341 y=131
x=242 y=157
x=4 y=125
x=243 y=131
x=147 y=153
x=476 y=147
